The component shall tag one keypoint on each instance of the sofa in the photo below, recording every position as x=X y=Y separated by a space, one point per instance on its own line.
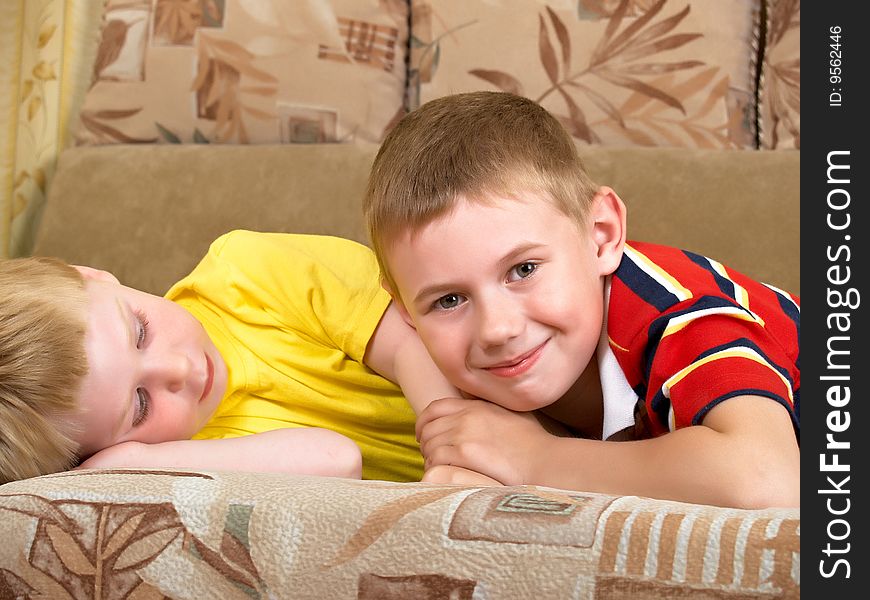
x=706 y=159
x=148 y=212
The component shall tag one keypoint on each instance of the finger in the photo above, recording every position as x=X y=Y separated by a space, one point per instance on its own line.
x=473 y=420
x=448 y=454
x=437 y=428
x=437 y=409
x=430 y=445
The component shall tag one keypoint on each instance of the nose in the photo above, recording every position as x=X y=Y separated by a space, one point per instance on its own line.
x=500 y=319
x=169 y=370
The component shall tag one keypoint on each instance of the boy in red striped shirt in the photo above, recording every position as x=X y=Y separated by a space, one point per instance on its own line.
x=515 y=271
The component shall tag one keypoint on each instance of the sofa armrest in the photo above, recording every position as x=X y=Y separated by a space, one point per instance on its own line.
x=236 y=535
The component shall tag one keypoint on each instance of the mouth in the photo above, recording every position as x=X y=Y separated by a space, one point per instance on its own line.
x=519 y=365
x=209 y=378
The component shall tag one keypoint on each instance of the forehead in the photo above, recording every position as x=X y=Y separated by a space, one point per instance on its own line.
x=102 y=397
x=476 y=235
x=526 y=211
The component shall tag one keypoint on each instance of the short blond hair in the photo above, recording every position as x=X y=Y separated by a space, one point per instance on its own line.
x=43 y=316
x=475 y=145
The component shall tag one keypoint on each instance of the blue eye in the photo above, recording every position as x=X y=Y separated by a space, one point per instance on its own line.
x=448 y=301
x=143 y=407
x=522 y=271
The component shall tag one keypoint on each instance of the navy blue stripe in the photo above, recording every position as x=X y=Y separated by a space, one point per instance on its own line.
x=657 y=328
x=726 y=286
x=797 y=407
x=661 y=404
x=795 y=421
x=647 y=288
x=788 y=307
x=749 y=344
x=640 y=390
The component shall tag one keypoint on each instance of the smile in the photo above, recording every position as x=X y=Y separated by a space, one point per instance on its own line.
x=517 y=366
x=209 y=378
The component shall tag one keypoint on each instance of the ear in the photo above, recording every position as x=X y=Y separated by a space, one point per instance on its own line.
x=89 y=273
x=607 y=227
x=397 y=301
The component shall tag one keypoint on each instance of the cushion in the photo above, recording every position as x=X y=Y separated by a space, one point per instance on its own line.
x=236 y=71
x=669 y=73
x=154 y=534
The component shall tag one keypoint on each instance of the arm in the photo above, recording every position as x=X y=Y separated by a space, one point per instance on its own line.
x=743 y=455
x=302 y=451
x=396 y=352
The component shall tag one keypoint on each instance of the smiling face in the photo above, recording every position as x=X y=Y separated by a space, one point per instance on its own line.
x=508 y=295
x=154 y=374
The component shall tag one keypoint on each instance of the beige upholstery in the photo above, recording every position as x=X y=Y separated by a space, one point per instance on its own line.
x=148 y=213
x=238 y=536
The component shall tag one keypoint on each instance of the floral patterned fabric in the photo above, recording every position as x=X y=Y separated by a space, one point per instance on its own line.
x=617 y=72
x=678 y=73
x=236 y=71
x=164 y=534
x=780 y=99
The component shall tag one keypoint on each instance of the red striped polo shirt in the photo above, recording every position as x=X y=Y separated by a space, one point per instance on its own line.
x=689 y=332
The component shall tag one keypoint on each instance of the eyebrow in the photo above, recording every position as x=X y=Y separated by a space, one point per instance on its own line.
x=440 y=289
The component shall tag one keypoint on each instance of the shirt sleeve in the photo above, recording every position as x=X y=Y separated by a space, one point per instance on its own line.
x=321 y=287
x=705 y=353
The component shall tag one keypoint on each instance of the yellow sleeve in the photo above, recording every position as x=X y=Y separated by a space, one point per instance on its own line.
x=324 y=287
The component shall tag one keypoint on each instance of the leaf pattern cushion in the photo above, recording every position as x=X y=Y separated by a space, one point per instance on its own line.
x=617 y=72
x=243 y=71
x=236 y=536
x=780 y=98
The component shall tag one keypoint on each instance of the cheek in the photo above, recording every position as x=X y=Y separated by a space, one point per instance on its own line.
x=166 y=426
x=557 y=309
x=172 y=318
x=574 y=306
x=183 y=321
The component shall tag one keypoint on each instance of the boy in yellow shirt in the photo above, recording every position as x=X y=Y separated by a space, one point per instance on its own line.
x=278 y=352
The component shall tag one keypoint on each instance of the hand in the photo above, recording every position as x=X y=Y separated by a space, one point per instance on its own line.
x=483 y=437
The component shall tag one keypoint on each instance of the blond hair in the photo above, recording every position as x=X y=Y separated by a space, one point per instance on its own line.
x=43 y=312
x=476 y=145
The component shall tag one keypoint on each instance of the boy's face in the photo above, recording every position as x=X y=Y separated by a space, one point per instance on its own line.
x=153 y=373
x=507 y=296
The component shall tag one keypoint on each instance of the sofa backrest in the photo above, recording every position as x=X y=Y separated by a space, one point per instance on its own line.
x=148 y=213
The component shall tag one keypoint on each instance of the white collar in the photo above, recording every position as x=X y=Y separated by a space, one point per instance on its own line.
x=618 y=397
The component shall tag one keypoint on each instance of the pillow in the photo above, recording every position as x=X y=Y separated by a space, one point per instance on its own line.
x=780 y=98
x=242 y=71
x=616 y=72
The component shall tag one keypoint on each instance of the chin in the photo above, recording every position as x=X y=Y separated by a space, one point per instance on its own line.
x=516 y=400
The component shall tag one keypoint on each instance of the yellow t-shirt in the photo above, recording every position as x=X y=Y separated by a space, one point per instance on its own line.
x=292 y=316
